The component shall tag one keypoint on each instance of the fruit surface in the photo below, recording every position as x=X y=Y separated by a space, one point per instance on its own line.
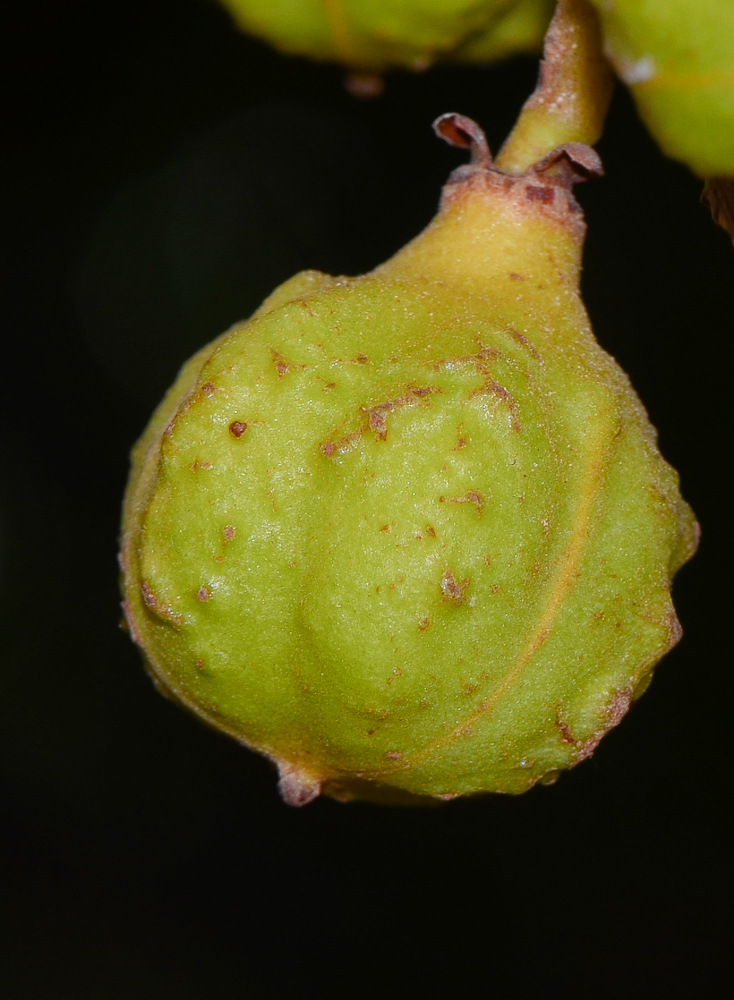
x=677 y=57
x=410 y=533
x=379 y=34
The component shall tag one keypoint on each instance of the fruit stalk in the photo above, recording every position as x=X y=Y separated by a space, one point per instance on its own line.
x=574 y=89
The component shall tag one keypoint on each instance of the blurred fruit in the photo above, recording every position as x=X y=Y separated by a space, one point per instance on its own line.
x=677 y=58
x=376 y=35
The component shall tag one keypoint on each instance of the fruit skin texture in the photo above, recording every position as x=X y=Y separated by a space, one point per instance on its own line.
x=375 y=35
x=409 y=534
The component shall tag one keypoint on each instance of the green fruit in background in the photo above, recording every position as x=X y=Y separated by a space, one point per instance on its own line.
x=375 y=35
x=409 y=534
x=677 y=58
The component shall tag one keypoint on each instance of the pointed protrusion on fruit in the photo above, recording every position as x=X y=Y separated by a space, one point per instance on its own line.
x=297 y=788
x=464 y=133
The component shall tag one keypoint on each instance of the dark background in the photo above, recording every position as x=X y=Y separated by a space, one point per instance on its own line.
x=162 y=174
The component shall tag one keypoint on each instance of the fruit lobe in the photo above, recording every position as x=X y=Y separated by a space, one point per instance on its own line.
x=409 y=534
x=382 y=34
x=677 y=58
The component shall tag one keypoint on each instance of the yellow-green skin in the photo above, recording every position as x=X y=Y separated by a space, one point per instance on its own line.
x=677 y=57
x=375 y=35
x=410 y=532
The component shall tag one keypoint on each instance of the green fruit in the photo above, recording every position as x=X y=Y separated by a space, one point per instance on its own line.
x=375 y=35
x=409 y=534
x=677 y=57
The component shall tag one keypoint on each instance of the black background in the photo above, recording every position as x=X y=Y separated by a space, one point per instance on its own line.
x=162 y=173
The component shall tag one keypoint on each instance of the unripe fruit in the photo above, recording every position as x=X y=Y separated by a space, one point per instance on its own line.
x=677 y=57
x=382 y=34
x=409 y=534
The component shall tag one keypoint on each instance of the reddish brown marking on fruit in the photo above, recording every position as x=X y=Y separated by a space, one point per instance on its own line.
x=199 y=663
x=282 y=366
x=385 y=527
x=495 y=587
x=377 y=422
x=203 y=593
x=423 y=624
x=534 y=192
x=149 y=598
x=397 y=672
x=522 y=339
x=430 y=531
x=237 y=428
x=452 y=592
x=328 y=448
x=362 y=359
x=619 y=706
x=393 y=755
x=208 y=388
x=155 y=604
x=197 y=464
x=229 y=531
x=675 y=629
x=468 y=687
x=370 y=732
x=471 y=496
x=130 y=624
x=460 y=443
x=330 y=385
x=377 y=415
x=586 y=749
x=516 y=277
x=487 y=560
x=495 y=389
x=566 y=734
x=479 y=359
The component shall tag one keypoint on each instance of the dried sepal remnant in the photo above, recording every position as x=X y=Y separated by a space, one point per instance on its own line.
x=448 y=573
x=718 y=194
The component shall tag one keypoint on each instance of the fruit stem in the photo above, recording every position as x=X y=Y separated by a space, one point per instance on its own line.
x=574 y=88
